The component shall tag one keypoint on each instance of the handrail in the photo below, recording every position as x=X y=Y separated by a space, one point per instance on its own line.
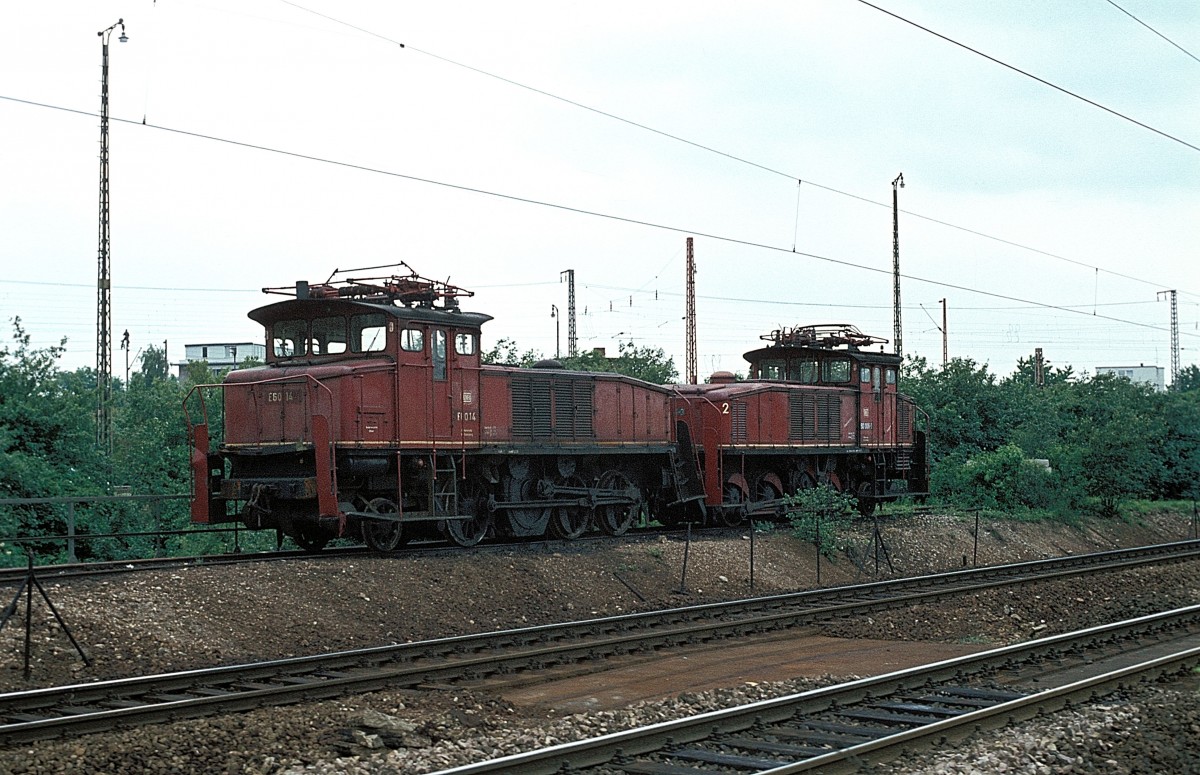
x=223 y=385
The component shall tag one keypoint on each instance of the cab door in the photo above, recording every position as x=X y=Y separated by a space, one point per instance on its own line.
x=887 y=432
x=441 y=391
x=464 y=386
x=869 y=406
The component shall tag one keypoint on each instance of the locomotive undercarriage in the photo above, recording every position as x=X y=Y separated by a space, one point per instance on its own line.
x=387 y=499
x=467 y=497
x=759 y=484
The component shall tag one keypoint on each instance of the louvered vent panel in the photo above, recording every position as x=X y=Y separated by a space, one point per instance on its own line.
x=530 y=408
x=585 y=400
x=737 y=422
x=564 y=409
x=814 y=418
x=829 y=418
x=540 y=400
x=522 y=408
x=802 y=416
x=903 y=420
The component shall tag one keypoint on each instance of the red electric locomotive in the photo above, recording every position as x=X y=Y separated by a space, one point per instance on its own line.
x=374 y=418
x=817 y=408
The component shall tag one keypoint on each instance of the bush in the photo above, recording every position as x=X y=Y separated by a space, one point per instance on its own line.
x=1002 y=480
x=821 y=516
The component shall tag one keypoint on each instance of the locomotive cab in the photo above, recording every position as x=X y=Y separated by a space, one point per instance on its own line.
x=355 y=370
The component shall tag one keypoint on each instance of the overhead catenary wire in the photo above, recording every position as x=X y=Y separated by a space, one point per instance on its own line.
x=1156 y=32
x=571 y=209
x=1027 y=74
x=749 y=162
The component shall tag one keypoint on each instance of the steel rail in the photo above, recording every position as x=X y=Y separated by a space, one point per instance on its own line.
x=619 y=750
x=52 y=711
x=63 y=571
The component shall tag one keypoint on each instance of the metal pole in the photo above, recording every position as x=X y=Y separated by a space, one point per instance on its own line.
x=572 y=351
x=690 y=317
x=28 y=608
x=686 y=548
x=875 y=541
x=752 y=532
x=557 y=330
x=71 y=532
x=897 y=184
x=945 y=338
x=104 y=438
x=975 y=553
x=818 y=548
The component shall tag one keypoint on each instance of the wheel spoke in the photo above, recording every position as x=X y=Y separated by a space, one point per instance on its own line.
x=616 y=518
x=383 y=535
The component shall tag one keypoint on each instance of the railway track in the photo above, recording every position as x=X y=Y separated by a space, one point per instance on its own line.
x=837 y=728
x=82 y=708
x=66 y=571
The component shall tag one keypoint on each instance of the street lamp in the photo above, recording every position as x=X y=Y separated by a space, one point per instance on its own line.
x=557 y=328
x=104 y=437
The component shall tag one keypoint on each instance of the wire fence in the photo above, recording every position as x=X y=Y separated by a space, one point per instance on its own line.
x=74 y=529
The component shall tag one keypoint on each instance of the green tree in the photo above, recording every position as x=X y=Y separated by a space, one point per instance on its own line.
x=506 y=353
x=154 y=363
x=1179 y=476
x=967 y=411
x=645 y=363
x=1188 y=380
x=1111 y=444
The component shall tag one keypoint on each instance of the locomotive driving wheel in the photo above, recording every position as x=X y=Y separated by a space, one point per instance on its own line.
x=383 y=535
x=616 y=518
x=309 y=537
x=570 y=522
x=733 y=509
x=468 y=532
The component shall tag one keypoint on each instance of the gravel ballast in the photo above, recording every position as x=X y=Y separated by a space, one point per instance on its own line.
x=202 y=616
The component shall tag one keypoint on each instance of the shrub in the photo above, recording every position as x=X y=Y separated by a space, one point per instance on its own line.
x=821 y=516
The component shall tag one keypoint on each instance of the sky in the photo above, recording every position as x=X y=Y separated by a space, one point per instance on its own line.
x=496 y=145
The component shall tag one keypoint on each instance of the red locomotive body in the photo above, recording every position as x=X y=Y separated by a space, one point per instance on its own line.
x=373 y=417
x=817 y=408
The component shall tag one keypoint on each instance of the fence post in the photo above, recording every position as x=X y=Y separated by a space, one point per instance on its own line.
x=752 y=531
x=71 y=558
x=975 y=553
x=818 y=548
x=686 y=548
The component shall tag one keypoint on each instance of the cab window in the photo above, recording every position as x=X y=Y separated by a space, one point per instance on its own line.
x=864 y=374
x=328 y=336
x=890 y=376
x=288 y=338
x=368 y=333
x=412 y=340
x=803 y=371
x=835 y=371
x=770 y=370
x=439 y=354
x=464 y=344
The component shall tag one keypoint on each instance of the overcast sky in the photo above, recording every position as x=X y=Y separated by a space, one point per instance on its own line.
x=284 y=140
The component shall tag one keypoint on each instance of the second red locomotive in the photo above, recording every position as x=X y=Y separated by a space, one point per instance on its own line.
x=374 y=417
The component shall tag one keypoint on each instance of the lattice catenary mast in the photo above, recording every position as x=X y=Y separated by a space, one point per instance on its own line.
x=897 y=184
x=1174 y=336
x=571 y=347
x=691 y=315
x=104 y=435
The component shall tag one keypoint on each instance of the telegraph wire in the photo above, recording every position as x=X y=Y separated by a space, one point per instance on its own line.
x=1043 y=81
x=1156 y=32
x=726 y=154
x=571 y=209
